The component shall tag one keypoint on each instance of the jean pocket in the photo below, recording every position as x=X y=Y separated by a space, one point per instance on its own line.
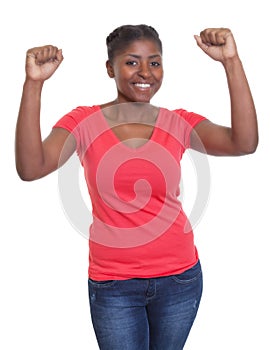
x=101 y=284
x=189 y=275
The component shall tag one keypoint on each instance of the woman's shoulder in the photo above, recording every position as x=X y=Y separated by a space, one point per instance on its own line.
x=190 y=117
x=78 y=114
x=85 y=110
x=179 y=111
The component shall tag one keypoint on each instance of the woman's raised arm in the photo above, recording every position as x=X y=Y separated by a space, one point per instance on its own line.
x=36 y=158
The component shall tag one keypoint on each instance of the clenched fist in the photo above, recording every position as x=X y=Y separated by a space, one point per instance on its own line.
x=42 y=62
x=217 y=43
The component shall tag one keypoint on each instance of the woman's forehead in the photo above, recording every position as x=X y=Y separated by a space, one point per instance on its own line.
x=142 y=46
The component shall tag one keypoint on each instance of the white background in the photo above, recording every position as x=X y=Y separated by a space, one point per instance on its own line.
x=43 y=260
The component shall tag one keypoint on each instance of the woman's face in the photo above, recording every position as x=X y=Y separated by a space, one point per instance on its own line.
x=137 y=71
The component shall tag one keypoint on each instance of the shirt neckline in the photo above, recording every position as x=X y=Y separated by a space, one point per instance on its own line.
x=125 y=146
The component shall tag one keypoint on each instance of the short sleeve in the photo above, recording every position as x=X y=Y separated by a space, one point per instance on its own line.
x=71 y=120
x=192 y=119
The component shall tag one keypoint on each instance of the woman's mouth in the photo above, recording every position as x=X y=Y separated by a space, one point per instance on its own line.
x=142 y=85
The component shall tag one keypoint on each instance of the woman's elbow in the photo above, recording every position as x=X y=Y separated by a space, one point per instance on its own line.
x=27 y=173
x=26 y=176
x=247 y=149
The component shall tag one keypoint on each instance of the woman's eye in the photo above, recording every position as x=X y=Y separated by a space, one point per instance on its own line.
x=131 y=63
x=155 y=64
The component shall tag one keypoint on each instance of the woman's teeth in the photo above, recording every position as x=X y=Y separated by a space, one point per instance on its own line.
x=141 y=85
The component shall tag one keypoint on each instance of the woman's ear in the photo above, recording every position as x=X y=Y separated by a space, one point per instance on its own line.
x=109 y=69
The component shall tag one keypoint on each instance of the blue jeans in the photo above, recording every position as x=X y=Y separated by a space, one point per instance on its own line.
x=143 y=314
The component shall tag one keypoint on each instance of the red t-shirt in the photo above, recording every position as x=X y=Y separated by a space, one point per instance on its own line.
x=139 y=229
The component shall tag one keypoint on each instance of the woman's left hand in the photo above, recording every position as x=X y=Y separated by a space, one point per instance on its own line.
x=217 y=43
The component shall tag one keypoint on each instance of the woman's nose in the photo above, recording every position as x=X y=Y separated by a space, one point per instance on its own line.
x=144 y=70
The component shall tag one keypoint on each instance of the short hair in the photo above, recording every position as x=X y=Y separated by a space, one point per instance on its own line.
x=124 y=35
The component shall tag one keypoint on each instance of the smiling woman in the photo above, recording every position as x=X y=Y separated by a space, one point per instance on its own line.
x=135 y=62
x=145 y=277
x=138 y=76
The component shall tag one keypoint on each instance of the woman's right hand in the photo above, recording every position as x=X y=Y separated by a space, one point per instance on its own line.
x=42 y=62
x=36 y=158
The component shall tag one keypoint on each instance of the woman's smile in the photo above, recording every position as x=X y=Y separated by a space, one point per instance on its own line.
x=137 y=71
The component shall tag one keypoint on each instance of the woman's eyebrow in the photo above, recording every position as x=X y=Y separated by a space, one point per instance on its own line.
x=138 y=56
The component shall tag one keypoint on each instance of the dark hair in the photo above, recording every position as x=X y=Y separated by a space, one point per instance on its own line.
x=124 y=35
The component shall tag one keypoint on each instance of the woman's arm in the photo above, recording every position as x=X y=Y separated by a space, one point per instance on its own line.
x=242 y=136
x=36 y=158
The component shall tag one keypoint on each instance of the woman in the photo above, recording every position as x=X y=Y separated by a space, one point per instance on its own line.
x=145 y=279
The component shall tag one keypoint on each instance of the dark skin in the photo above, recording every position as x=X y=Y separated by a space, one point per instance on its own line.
x=138 y=74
